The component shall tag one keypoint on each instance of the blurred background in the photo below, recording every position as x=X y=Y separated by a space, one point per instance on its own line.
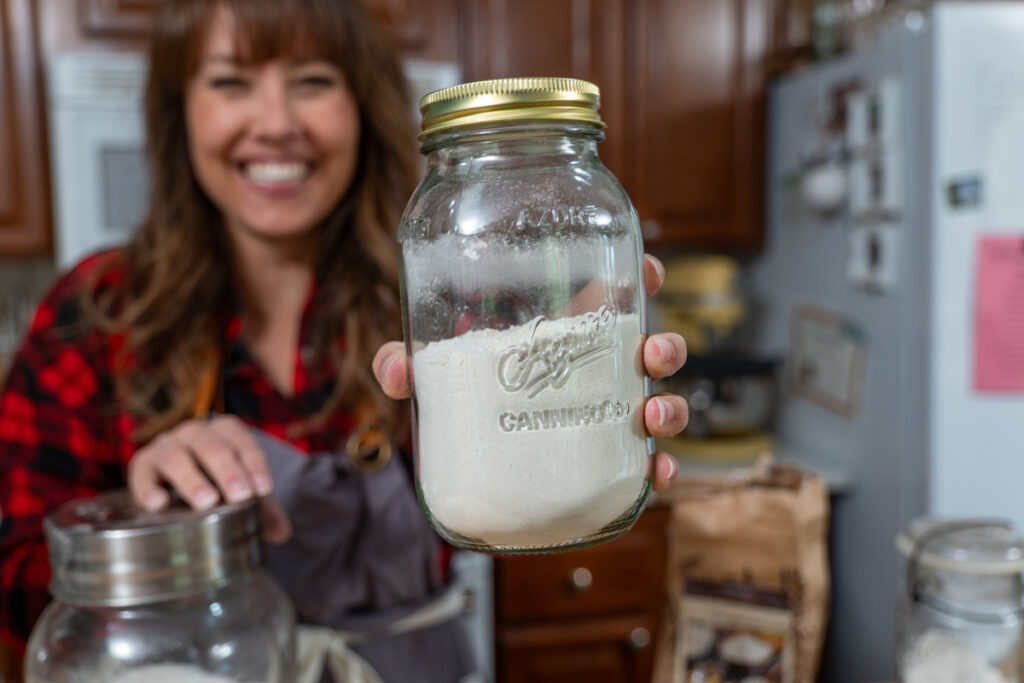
x=836 y=188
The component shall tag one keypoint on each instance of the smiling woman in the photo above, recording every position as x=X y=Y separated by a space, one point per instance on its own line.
x=273 y=144
x=296 y=121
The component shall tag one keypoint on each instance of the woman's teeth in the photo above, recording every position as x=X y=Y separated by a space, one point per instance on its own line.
x=276 y=173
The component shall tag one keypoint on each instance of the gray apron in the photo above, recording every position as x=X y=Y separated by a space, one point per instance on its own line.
x=363 y=558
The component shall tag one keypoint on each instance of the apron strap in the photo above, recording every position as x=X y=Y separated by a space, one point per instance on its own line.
x=320 y=647
x=210 y=397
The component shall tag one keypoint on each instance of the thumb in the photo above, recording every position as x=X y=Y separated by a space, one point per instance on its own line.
x=391 y=368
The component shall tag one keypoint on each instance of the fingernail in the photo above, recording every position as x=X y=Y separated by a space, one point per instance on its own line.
x=665 y=411
x=155 y=500
x=659 y=267
x=665 y=348
x=239 y=492
x=673 y=468
x=388 y=364
x=205 y=498
x=264 y=484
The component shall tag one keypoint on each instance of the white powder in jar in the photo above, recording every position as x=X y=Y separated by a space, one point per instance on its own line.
x=170 y=673
x=938 y=657
x=533 y=436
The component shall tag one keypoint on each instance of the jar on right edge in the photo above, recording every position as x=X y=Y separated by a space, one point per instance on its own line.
x=961 y=617
x=524 y=317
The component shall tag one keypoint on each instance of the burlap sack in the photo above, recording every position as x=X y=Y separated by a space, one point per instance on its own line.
x=748 y=581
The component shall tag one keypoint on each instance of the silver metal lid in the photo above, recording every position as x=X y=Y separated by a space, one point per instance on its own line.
x=969 y=567
x=969 y=546
x=107 y=551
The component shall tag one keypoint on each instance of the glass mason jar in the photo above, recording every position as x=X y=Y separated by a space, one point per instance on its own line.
x=961 y=615
x=151 y=597
x=524 y=317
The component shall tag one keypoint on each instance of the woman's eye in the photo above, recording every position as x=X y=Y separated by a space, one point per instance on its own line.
x=227 y=83
x=317 y=81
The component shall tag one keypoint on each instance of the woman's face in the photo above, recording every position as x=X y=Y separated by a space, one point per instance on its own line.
x=273 y=145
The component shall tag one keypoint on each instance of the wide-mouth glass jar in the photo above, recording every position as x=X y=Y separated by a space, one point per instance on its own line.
x=173 y=596
x=962 y=612
x=525 y=318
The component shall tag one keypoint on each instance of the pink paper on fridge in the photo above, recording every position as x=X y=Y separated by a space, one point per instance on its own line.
x=999 y=314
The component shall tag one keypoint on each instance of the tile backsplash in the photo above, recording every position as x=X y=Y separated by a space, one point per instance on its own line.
x=22 y=283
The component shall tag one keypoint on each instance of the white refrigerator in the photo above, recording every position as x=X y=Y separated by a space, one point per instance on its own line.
x=893 y=281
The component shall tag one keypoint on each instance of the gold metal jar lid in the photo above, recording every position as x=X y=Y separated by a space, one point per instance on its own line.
x=511 y=100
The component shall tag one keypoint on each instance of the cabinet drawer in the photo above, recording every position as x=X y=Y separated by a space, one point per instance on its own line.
x=611 y=650
x=624 y=575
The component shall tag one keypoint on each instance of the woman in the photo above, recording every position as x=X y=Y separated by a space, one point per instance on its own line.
x=262 y=288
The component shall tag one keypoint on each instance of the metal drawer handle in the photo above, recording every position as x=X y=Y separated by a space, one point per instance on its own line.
x=639 y=638
x=581 y=579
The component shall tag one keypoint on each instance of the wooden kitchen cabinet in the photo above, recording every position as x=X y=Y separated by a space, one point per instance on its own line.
x=24 y=182
x=588 y=615
x=109 y=18
x=614 y=650
x=696 y=92
x=424 y=29
x=681 y=91
x=582 y=39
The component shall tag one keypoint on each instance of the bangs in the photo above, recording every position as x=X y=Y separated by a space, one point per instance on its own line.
x=274 y=29
x=265 y=30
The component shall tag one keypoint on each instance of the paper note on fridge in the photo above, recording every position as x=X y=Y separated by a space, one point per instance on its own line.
x=999 y=314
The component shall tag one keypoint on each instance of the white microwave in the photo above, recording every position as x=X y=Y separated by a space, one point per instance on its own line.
x=97 y=150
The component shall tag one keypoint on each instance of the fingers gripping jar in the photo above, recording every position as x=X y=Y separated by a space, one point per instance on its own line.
x=143 y=597
x=524 y=317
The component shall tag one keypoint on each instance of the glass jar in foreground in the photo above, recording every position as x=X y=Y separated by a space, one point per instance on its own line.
x=961 y=616
x=164 y=597
x=524 y=317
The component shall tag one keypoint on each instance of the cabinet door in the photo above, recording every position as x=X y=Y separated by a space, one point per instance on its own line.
x=419 y=28
x=696 y=83
x=623 y=576
x=128 y=18
x=575 y=38
x=607 y=651
x=24 y=184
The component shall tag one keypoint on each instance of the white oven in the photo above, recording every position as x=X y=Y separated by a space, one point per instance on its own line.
x=97 y=150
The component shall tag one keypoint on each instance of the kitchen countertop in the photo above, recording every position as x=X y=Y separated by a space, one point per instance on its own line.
x=836 y=473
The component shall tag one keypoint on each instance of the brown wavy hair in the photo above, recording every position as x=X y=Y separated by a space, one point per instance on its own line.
x=170 y=301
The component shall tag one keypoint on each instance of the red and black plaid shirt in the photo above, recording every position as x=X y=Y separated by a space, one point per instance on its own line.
x=62 y=434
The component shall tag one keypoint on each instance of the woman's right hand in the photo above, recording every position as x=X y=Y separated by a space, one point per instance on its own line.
x=207 y=461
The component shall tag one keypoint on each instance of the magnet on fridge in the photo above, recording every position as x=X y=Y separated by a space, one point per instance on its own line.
x=888 y=113
x=860 y=199
x=887 y=185
x=872 y=264
x=876 y=185
x=856 y=121
x=964 y=192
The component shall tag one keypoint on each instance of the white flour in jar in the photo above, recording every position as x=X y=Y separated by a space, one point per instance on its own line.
x=170 y=673
x=533 y=436
x=937 y=657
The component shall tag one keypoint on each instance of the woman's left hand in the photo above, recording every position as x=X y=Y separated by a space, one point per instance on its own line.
x=664 y=353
